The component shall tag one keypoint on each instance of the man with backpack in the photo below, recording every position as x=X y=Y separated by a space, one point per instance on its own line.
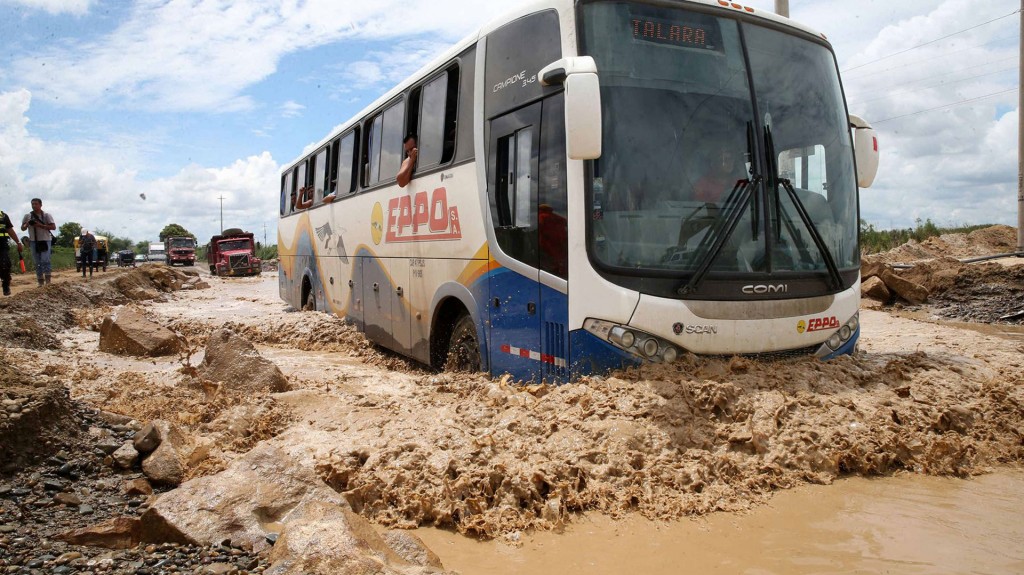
x=87 y=246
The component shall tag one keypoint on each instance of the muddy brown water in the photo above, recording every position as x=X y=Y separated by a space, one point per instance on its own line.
x=908 y=524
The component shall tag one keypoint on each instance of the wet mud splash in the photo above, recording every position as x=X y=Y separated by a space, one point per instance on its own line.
x=702 y=436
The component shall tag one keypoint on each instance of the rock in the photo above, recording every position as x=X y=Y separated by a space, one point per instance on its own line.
x=125 y=456
x=906 y=289
x=333 y=539
x=875 y=289
x=138 y=487
x=128 y=332
x=411 y=548
x=870 y=269
x=67 y=499
x=165 y=465
x=251 y=497
x=231 y=360
x=117 y=533
x=146 y=439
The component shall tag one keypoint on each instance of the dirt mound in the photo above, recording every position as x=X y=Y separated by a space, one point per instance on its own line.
x=992 y=240
x=703 y=435
x=30 y=319
x=36 y=414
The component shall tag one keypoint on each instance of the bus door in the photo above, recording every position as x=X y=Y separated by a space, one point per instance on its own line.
x=512 y=167
x=378 y=298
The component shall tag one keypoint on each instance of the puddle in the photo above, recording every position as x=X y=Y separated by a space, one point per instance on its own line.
x=909 y=524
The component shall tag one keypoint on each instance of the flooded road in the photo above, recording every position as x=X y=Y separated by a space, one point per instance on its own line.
x=908 y=524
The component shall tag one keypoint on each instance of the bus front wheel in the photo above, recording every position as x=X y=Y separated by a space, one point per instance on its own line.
x=463 y=347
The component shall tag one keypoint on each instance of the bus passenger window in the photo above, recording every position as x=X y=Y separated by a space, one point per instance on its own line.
x=431 y=134
x=345 y=163
x=319 y=174
x=287 y=194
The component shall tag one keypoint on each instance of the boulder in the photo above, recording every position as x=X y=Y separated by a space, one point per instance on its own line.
x=333 y=539
x=125 y=456
x=232 y=361
x=166 y=464
x=117 y=533
x=251 y=498
x=875 y=289
x=914 y=293
x=146 y=439
x=128 y=332
x=412 y=549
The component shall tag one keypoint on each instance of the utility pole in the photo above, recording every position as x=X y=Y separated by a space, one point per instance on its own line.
x=265 y=223
x=782 y=7
x=221 y=198
x=1020 y=142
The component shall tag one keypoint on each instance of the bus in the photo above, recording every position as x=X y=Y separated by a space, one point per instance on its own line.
x=600 y=184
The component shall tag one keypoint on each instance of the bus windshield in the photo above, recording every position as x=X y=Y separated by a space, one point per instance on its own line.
x=692 y=103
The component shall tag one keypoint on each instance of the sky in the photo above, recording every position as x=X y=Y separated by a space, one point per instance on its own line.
x=129 y=115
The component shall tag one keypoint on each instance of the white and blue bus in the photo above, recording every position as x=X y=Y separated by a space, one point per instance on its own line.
x=599 y=184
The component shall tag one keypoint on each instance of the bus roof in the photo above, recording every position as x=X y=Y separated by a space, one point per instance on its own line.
x=495 y=23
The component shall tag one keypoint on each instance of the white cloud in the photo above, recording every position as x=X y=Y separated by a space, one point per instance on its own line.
x=202 y=55
x=89 y=187
x=291 y=109
x=75 y=7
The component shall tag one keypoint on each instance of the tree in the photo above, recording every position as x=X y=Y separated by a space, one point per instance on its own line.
x=174 y=231
x=142 y=247
x=67 y=233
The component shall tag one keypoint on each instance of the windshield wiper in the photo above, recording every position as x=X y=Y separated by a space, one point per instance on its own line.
x=738 y=199
x=774 y=181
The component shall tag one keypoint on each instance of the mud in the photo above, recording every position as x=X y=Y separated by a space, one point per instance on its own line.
x=408 y=447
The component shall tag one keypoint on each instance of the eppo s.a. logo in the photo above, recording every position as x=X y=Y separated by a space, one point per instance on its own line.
x=817 y=324
x=422 y=218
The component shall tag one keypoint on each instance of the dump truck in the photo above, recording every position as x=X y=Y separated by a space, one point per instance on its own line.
x=181 y=250
x=233 y=253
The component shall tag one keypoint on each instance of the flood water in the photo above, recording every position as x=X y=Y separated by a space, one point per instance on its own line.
x=908 y=524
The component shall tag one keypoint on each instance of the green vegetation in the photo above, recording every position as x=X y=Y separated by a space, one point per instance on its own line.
x=174 y=231
x=61 y=258
x=874 y=241
x=266 y=252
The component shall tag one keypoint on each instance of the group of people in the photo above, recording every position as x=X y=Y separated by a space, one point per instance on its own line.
x=39 y=225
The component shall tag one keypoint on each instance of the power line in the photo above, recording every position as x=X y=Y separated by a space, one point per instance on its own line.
x=943 y=83
x=875 y=122
x=930 y=58
x=932 y=41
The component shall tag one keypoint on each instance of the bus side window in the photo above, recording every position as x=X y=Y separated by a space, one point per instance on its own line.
x=383 y=145
x=437 y=128
x=319 y=166
x=287 y=193
x=346 y=163
x=332 y=176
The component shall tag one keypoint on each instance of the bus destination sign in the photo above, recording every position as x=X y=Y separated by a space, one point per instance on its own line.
x=659 y=32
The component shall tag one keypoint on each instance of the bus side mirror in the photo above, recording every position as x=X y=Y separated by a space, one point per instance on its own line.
x=865 y=149
x=582 y=104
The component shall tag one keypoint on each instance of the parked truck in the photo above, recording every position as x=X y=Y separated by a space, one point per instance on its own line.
x=181 y=250
x=156 y=252
x=233 y=253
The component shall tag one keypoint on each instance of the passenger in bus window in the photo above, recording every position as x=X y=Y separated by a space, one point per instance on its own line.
x=725 y=170
x=305 y=198
x=411 y=153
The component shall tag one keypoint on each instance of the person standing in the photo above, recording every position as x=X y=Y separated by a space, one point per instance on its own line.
x=87 y=245
x=6 y=229
x=40 y=225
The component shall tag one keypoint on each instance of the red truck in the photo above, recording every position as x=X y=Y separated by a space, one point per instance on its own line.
x=233 y=253
x=181 y=250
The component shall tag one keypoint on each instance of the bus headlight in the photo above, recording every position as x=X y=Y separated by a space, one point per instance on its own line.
x=622 y=336
x=844 y=333
x=670 y=354
x=650 y=347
